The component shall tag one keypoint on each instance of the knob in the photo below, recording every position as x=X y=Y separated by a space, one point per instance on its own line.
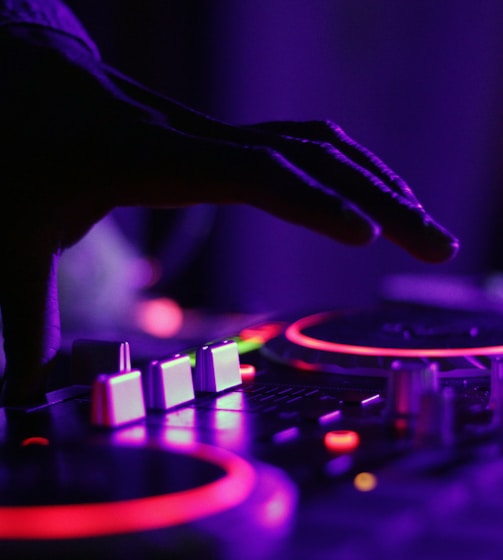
x=408 y=381
x=217 y=367
x=435 y=422
x=168 y=383
x=117 y=399
x=496 y=392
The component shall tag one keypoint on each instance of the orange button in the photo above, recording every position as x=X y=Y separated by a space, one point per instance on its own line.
x=341 y=441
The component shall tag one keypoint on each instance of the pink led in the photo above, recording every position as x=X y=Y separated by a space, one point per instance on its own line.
x=160 y=317
x=295 y=335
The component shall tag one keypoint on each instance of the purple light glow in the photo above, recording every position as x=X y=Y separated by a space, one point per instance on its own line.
x=277 y=510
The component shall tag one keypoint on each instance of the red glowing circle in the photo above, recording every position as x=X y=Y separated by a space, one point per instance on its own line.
x=70 y=521
x=294 y=334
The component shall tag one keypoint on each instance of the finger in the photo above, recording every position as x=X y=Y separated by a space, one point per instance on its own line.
x=327 y=131
x=402 y=222
x=30 y=315
x=280 y=188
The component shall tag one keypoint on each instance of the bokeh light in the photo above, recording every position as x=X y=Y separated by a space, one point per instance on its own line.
x=365 y=482
x=160 y=317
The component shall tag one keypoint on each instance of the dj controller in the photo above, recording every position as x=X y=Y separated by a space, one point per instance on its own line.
x=358 y=434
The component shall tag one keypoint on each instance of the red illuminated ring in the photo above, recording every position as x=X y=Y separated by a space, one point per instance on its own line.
x=295 y=335
x=70 y=521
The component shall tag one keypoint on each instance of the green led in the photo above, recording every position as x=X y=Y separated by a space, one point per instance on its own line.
x=244 y=347
x=192 y=356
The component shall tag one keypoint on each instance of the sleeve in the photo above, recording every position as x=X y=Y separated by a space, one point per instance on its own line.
x=51 y=14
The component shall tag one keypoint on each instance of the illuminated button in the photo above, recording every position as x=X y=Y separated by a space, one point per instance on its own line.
x=217 y=367
x=359 y=398
x=329 y=417
x=316 y=410
x=341 y=441
x=248 y=372
x=94 y=357
x=168 y=383
x=117 y=399
x=289 y=434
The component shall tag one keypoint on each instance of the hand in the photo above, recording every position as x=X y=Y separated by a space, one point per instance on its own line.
x=79 y=138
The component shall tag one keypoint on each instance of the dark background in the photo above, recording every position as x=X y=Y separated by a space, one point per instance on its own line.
x=418 y=82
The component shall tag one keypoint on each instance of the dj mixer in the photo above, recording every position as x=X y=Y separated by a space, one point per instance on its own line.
x=355 y=434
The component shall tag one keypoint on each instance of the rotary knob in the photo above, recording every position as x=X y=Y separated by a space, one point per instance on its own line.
x=408 y=382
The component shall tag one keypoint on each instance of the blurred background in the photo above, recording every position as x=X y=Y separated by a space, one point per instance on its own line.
x=418 y=82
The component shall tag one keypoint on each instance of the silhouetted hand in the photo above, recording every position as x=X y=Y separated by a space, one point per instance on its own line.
x=79 y=139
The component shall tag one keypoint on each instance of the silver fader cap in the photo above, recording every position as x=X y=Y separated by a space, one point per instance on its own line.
x=217 y=367
x=117 y=399
x=168 y=383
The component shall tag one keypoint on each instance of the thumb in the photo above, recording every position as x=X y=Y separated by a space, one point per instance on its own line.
x=30 y=315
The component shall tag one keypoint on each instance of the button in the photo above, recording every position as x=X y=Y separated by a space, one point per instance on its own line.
x=288 y=434
x=248 y=373
x=168 y=383
x=217 y=367
x=341 y=441
x=359 y=398
x=312 y=409
x=117 y=399
x=328 y=417
x=93 y=357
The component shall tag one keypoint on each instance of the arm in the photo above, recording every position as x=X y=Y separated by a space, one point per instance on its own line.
x=78 y=139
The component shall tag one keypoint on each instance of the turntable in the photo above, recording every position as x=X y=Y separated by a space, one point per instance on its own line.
x=359 y=434
x=365 y=342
